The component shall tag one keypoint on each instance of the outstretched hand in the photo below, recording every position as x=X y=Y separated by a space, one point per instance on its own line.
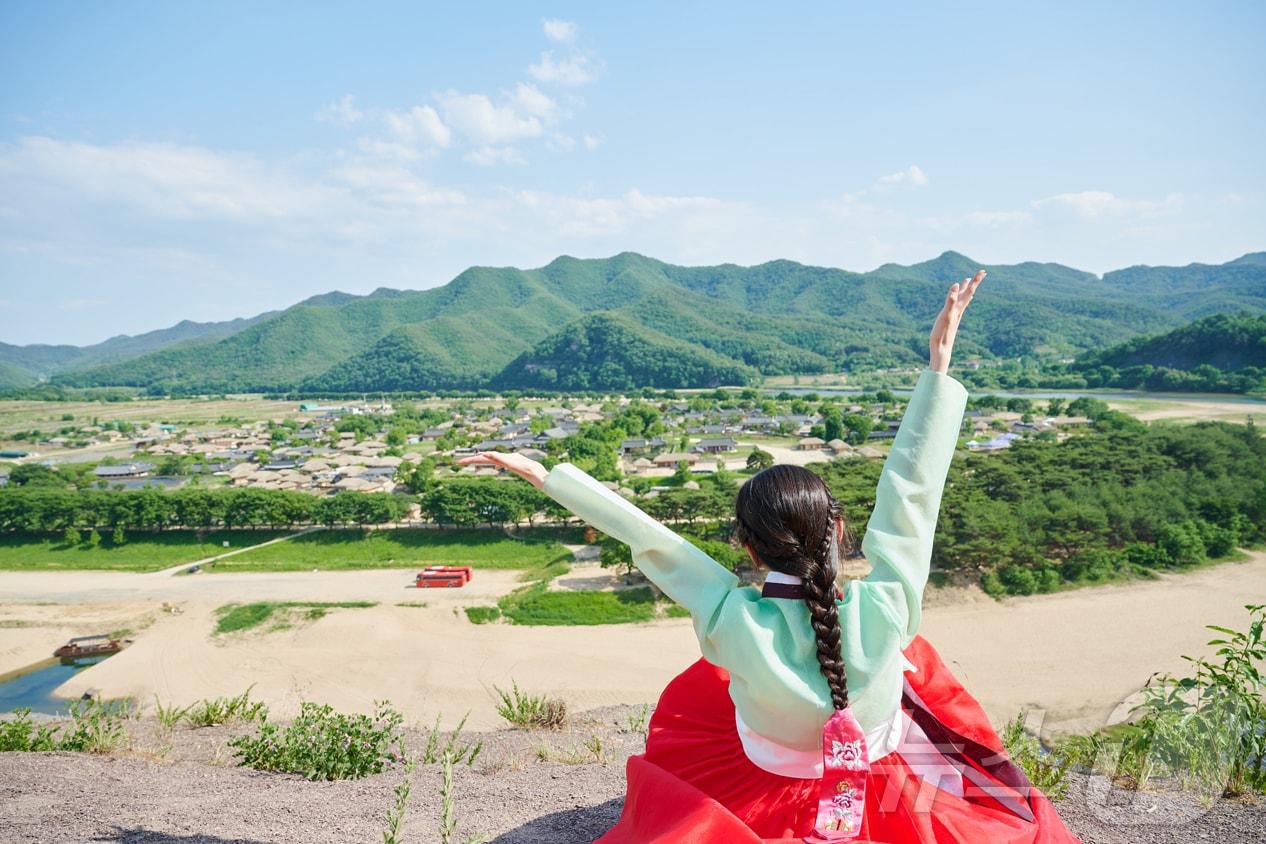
x=946 y=326
x=526 y=468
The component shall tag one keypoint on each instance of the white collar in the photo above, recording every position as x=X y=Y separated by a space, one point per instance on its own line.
x=779 y=577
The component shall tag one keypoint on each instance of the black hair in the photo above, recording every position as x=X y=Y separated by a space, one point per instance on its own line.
x=788 y=517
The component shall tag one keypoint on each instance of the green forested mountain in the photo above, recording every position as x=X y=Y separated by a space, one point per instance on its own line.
x=507 y=326
x=1222 y=352
x=607 y=352
x=1228 y=341
x=23 y=365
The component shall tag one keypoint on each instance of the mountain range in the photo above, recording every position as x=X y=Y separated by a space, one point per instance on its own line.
x=630 y=320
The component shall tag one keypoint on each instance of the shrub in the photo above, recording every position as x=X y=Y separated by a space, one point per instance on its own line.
x=454 y=748
x=530 y=711
x=1182 y=542
x=396 y=814
x=169 y=716
x=322 y=744
x=95 y=727
x=1018 y=580
x=19 y=733
x=1047 y=771
x=224 y=710
x=1209 y=729
x=993 y=585
x=483 y=615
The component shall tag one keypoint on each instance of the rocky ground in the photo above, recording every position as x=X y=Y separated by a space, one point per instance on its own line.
x=525 y=788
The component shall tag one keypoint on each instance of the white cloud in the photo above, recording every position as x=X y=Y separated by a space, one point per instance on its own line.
x=562 y=142
x=1098 y=205
x=418 y=125
x=528 y=99
x=575 y=69
x=912 y=176
x=591 y=142
x=593 y=216
x=166 y=180
x=341 y=112
x=487 y=156
x=478 y=119
x=563 y=32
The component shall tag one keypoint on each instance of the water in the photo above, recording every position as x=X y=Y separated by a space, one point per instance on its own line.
x=34 y=689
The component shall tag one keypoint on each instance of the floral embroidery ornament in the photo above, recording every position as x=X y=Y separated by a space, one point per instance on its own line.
x=842 y=798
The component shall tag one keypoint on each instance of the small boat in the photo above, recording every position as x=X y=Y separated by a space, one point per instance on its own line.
x=89 y=646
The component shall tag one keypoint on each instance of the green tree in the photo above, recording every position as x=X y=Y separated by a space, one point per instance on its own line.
x=759 y=459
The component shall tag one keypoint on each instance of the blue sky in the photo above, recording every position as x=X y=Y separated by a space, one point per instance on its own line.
x=163 y=161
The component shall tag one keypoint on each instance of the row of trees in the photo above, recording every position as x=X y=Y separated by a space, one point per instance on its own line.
x=50 y=510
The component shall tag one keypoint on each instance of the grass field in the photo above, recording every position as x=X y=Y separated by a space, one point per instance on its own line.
x=23 y=415
x=406 y=548
x=235 y=617
x=535 y=606
x=142 y=551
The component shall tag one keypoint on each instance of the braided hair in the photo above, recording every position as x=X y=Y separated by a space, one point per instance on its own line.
x=787 y=516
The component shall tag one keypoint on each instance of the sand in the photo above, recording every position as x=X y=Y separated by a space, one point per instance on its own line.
x=1071 y=657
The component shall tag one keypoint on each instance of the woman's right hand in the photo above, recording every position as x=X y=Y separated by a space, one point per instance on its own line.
x=526 y=468
x=946 y=326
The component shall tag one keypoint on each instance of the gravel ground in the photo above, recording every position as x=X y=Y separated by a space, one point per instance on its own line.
x=182 y=787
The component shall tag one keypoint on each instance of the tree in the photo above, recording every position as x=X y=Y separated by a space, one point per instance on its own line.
x=682 y=473
x=614 y=553
x=859 y=427
x=759 y=459
x=34 y=474
x=832 y=425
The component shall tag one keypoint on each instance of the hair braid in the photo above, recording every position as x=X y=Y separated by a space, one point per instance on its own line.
x=819 y=596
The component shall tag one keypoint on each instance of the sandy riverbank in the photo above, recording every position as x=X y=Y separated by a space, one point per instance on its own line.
x=1072 y=655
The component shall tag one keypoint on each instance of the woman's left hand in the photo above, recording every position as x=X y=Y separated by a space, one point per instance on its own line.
x=526 y=468
x=946 y=326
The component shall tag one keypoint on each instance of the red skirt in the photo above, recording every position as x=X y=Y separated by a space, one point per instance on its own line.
x=695 y=785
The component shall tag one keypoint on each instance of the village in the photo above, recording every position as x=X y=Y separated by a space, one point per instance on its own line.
x=371 y=446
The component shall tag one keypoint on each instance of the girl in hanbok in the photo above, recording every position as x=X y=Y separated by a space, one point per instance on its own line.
x=816 y=713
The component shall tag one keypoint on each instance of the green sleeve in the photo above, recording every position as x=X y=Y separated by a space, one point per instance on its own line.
x=898 y=541
x=683 y=572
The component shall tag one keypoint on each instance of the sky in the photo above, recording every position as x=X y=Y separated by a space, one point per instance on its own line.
x=167 y=161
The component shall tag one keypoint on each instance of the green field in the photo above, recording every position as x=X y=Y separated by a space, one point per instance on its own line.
x=405 y=548
x=535 y=606
x=142 y=552
x=232 y=618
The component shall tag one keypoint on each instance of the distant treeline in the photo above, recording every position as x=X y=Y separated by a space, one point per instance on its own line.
x=1222 y=353
x=1119 y=500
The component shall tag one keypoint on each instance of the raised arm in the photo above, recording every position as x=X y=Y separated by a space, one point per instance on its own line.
x=684 y=573
x=898 y=540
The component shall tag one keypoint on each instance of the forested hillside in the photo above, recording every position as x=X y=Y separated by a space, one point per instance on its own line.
x=690 y=325
x=23 y=365
x=1219 y=353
